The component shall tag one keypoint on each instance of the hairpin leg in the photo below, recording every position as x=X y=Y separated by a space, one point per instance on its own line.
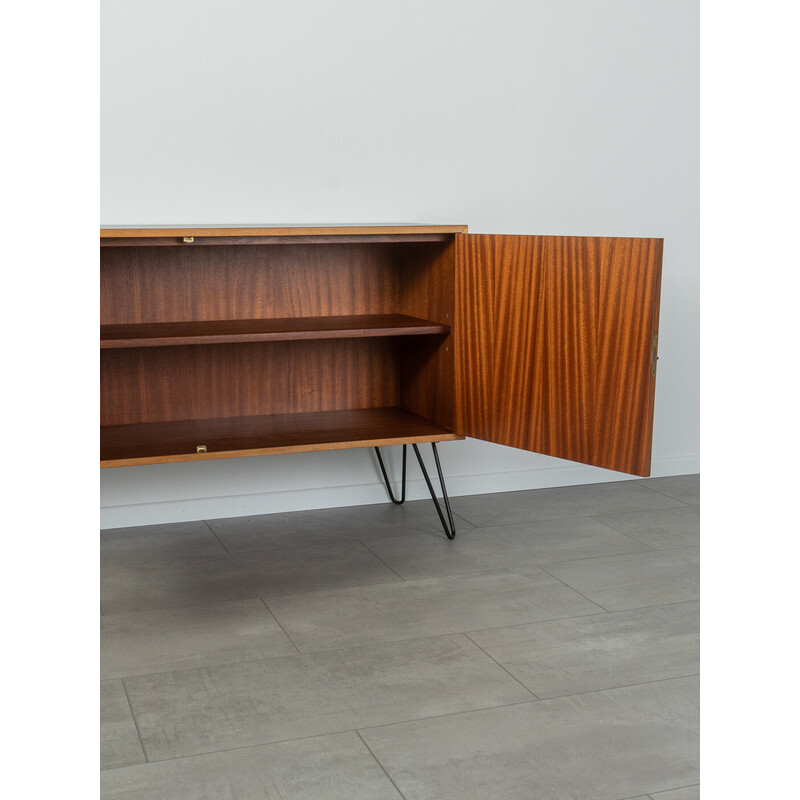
x=386 y=478
x=448 y=524
x=450 y=531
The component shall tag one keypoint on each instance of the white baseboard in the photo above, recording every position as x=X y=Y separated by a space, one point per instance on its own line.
x=196 y=508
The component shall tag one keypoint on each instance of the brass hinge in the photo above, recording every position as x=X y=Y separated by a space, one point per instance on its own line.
x=654 y=354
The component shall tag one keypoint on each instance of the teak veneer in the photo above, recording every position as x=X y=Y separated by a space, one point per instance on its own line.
x=240 y=341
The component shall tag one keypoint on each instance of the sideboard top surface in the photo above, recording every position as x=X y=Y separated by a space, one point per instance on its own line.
x=286 y=230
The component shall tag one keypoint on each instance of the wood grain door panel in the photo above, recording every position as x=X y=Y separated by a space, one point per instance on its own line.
x=553 y=343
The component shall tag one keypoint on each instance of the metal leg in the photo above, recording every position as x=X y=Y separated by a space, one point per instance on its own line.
x=448 y=524
x=386 y=478
x=450 y=531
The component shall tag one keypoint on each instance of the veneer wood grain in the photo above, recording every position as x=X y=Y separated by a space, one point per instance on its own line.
x=629 y=293
x=159 y=384
x=162 y=284
x=554 y=339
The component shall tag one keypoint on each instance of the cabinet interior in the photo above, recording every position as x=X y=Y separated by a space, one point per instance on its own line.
x=223 y=348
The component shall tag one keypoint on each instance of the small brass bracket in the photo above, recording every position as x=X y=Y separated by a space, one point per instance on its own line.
x=188 y=239
x=201 y=448
x=654 y=355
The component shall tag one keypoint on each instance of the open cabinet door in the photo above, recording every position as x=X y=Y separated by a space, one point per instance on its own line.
x=555 y=345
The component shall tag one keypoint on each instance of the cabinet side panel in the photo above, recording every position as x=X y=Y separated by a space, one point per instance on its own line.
x=427 y=285
x=160 y=384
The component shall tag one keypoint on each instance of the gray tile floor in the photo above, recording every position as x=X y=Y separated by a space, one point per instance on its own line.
x=550 y=651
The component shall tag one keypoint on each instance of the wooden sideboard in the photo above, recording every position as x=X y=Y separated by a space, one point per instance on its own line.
x=226 y=342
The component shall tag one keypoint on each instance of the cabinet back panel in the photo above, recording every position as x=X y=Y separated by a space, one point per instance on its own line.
x=161 y=384
x=184 y=283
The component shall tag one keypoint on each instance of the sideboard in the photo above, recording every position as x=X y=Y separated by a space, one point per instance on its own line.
x=243 y=341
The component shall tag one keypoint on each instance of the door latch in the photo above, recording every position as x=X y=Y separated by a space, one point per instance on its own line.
x=654 y=355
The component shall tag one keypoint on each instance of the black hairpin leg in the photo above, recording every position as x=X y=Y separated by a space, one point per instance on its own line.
x=386 y=478
x=448 y=524
x=450 y=530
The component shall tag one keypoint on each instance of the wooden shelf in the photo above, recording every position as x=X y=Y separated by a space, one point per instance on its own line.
x=160 y=334
x=163 y=442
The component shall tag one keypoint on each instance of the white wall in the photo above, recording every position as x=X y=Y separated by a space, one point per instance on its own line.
x=512 y=116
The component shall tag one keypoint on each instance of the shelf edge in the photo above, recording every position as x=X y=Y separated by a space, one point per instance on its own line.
x=268 y=451
x=131 y=233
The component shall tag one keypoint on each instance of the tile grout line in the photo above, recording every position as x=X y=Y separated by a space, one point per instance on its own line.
x=478 y=710
x=615 y=555
x=631 y=536
x=581 y=616
x=375 y=555
x=663 y=494
x=622 y=686
x=573 y=589
x=469 y=522
x=531 y=703
x=268 y=743
x=591 y=515
x=459 y=518
x=135 y=723
x=536 y=522
x=399 y=722
x=281 y=595
x=652 y=795
x=510 y=674
x=600 y=613
x=575 y=694
x=214 y=534
x=377 y=761
x=544 y=566
x=633 y=553
x=277 y=621
x=622 y=533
